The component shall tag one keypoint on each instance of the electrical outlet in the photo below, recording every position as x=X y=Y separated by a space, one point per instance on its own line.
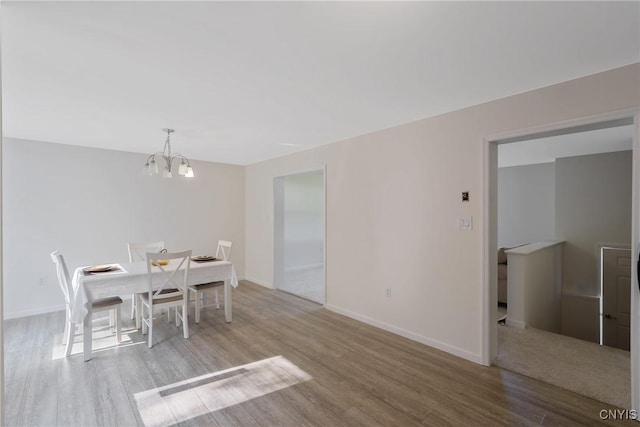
x=388 y=292
x=42 y=281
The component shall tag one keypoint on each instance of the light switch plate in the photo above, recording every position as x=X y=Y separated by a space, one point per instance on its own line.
x=465 y=223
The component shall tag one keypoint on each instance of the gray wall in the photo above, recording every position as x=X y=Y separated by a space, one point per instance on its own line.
x=526 y=204
x=593 y=206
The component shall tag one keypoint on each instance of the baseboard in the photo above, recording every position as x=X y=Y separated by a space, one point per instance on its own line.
x=303 y=267
x=456 y=351
x=26 y=313
x=258 y=282
x=515 y=323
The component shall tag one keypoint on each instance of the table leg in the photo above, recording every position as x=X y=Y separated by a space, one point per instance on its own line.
x=87 y=331
x=227 y=300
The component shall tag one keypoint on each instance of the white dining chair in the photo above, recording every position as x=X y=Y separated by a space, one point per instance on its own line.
x=111 y=303
x=167 y=288
x=138 y=252
x=222 y=252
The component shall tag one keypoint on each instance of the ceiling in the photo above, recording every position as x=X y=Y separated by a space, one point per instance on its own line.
x=242 y=82
x=546 y=150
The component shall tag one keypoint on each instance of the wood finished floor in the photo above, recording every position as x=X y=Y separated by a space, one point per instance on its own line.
x=329 y=371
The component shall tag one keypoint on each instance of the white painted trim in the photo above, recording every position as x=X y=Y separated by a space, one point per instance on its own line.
x=302 y=172
x=530 y=248
x=515 y=323
x=2 y=385
x=259 y=282
x=564 y=124
x=324 y=249
x=456 y=351
x=303 y=267
x=277 y=231
x=612 y=246
x=33 y=312
x=635 y=294
x=488 y=346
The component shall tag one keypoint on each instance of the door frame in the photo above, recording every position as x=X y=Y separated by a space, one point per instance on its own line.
x=277 y=180
x=489 y=346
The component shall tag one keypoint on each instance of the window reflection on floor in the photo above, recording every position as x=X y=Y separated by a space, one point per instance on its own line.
x=196 y=396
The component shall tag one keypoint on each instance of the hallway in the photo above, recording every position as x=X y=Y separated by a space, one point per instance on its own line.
x=592 y=370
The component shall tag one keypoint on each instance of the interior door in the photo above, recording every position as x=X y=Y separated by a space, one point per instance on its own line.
x=616 y=297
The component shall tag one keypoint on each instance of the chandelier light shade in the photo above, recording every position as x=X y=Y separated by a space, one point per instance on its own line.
x=151 y=167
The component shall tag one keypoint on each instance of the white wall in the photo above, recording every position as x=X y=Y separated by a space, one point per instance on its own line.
x=593 y=205
x=303 y=220
x=393 y=198
x=526 y=204
x=88 y=203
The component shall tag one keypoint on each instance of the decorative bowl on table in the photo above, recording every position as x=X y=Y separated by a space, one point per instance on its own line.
x=98 y=268
x=202 y=258
x=160 y=262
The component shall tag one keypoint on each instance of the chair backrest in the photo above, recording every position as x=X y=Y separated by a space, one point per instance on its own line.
x=138 y=251
x=224 y=250
x=172 y=275
x=63 y=277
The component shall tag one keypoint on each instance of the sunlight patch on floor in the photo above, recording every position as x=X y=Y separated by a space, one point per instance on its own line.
x=103 y=340
x=184 y=400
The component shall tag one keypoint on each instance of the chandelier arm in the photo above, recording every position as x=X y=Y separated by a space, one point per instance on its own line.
x=180 y=156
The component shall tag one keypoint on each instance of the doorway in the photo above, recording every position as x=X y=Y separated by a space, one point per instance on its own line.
x=299 y=235
x=490 y=278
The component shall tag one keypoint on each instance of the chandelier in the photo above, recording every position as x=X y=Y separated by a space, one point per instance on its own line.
x=151 y=167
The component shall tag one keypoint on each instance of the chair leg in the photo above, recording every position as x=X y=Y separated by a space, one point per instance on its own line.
x=198 y=303
x=116 y=310
x=142 y=319
x=69 y=338
x=66 y=327
x=177 y=318
x=150 y=344
x=185 y=319
x=134 y=297
x=111 y=320
x=217 y=300
x=139 y=310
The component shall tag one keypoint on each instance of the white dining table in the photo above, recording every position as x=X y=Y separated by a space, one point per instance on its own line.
x=130 y=278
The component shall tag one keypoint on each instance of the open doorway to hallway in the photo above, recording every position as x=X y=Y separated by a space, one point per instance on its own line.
x=561 y=197
x=299 y=232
